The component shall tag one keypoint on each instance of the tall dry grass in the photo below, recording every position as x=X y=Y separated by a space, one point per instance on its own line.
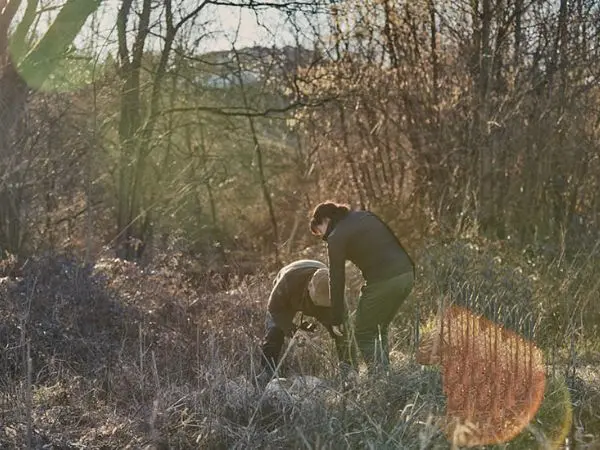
x=124 y=356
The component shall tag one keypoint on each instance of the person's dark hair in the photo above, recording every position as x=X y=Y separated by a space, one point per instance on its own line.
x=327 y=210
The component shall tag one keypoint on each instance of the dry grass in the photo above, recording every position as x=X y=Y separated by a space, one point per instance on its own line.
x=130 y=357
x=493 y=379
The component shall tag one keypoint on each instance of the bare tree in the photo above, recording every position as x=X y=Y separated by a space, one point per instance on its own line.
x=22 y=73
x=135 y=129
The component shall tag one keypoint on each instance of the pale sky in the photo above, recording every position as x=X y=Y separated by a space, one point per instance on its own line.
x=215 y=28
x=270 y=28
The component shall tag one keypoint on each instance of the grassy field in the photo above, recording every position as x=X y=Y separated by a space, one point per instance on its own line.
x=113 y=355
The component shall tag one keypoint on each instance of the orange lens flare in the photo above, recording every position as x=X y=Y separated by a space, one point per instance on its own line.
x=493 y=379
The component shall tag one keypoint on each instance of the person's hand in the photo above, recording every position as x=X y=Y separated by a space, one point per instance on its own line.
x=308 y=326
x=338 y=330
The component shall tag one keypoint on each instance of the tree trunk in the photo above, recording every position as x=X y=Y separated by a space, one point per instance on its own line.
x=434 y=55
x=481 y=141
x=518 y=36
x=129 y=238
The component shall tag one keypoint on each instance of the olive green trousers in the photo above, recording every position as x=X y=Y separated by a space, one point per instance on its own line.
x=378 y=304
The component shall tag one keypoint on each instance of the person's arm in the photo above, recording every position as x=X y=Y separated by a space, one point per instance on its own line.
x=337 y=278
x=284 y=320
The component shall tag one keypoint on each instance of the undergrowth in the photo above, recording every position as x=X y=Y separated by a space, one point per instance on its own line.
x=113 y=355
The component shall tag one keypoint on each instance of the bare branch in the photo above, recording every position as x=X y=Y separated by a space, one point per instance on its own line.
x=143 y=29
x=7 y=13
x=122 y=17
x=191 y=15
x=297 y=5
x=247 y=112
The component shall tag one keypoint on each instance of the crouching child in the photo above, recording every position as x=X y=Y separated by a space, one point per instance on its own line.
x=301 y=286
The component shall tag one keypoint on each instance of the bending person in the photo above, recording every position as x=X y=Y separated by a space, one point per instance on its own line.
x=302 y=286
x=364 y=239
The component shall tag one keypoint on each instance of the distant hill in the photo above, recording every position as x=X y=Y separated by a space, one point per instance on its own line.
x=257 y=64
